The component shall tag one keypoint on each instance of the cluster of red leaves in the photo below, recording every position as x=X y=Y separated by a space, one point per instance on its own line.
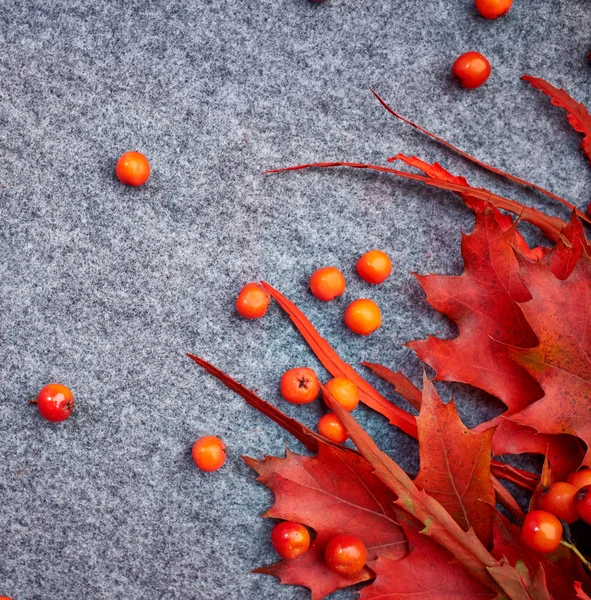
x=524 y=321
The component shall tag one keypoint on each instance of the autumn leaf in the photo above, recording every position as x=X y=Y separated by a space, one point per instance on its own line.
x=577 y=114
x=333 y=492
x=483 y=304
x=580 y=592
x=480 y=163
x=455 y=465
x=402 y=384
x=466 y=548
x=428 y=571
x=560 y=315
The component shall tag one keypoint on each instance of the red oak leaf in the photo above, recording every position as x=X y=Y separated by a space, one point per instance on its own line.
x=580 y=592
x=577 y=114
x=483 y=303
x=455 y=465
x=333 y=492
x=560 y=315
x=428 y=571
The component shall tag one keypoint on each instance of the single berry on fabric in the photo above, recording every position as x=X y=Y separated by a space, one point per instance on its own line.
x=327 y=283
x=583 y=503
x=493 y=9
x=290 y=539
x=363 y=316
x=559 y=500
x=209 y=453
x=344 y=391
x=330 y=427
x=580 y=478
x=55 y=402
x=471 y=70
x=345 y=554
x=253 y=301
x=133 y=168
x=374 y=266
x=541 y=531
x=299 y=385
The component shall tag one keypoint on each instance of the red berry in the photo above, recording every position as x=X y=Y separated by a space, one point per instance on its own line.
x=471 y=69
x=55 y=402
x=290 y=539
x=327 y=283
x=583 y=503
x=133 y=168
x=209 y=453
x=559 y=500
x=253 y=301
x=345 y=554
x=541 y=531
x=330 y=427
x=580 y=478
x=492 y=9
x=299 y=386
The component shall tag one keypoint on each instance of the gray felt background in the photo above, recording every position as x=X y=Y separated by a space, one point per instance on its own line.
x=104 y=287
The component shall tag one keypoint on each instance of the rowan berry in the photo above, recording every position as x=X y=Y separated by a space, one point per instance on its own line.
x=300 y=385
x=363 y=316
x=492 y=9
x=559 y=500
x=471 y=69
x=209 y=453
x=541 y=531
x=253 y=301
x=583 y=503
x=290 y=539
x=55 y=402
x=344 y=391
x=374 y=266
x=580 y=478
x=327 y=283
x=133 y=168
x=330 y=427
x=345 y=554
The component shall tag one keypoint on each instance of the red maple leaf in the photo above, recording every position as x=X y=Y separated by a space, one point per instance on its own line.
x=560 y=315
x=455 y=464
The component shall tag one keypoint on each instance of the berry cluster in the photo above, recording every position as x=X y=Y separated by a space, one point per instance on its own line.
x=563 y=501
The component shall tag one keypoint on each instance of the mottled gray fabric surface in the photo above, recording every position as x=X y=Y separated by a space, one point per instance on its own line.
x=104 y=287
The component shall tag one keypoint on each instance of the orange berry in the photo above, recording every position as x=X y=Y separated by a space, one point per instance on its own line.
x=363 y=316
x=345 y=554
x=252 y=301
x=299 y=386
x=559 y=500
x=330 y=427
x=344 y=391
x=492 y=9
x=209 y=453
x=580 y=478
x=374 y=266
x=133 y=168
x=471 y=69
x=327 y=283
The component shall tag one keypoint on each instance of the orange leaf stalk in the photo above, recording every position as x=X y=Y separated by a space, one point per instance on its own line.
x=484 y=165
